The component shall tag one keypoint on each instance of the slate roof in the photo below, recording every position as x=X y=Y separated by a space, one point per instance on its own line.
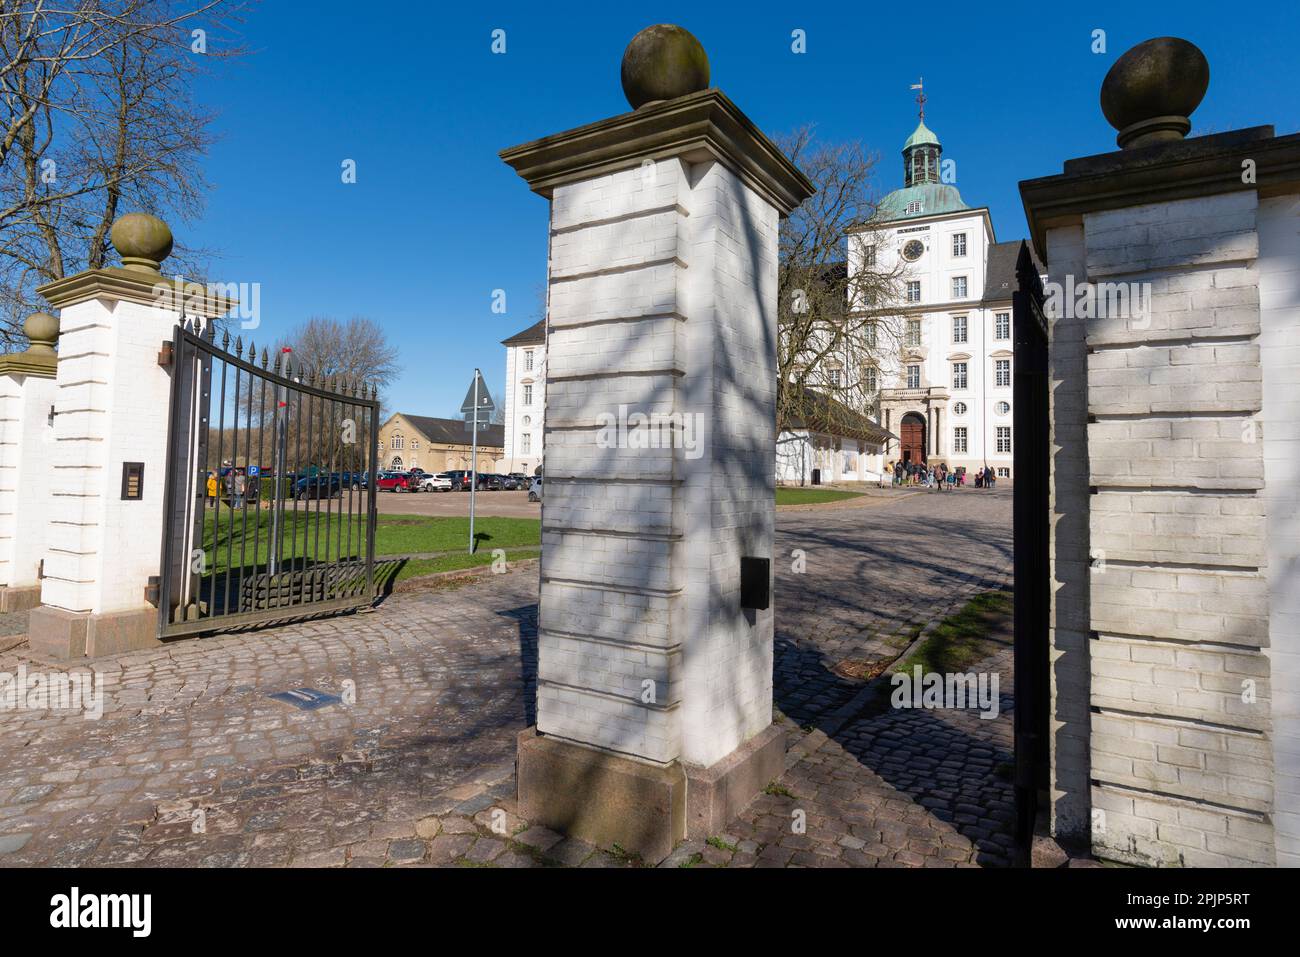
x=828 y=415
x=1000 y=273
x=453 y=431
x=534 y=335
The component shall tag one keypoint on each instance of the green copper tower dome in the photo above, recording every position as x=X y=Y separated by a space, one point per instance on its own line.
x=923 y=192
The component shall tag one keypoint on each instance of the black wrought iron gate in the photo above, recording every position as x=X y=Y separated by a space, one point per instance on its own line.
x=270 y=491
x=1030 y=539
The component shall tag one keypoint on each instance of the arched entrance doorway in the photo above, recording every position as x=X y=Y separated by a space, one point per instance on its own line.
x=911 y=437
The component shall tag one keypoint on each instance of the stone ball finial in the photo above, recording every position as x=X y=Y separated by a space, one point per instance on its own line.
x=663 y=62
x=42 y=331
x=1151 y=91
x=143 y=241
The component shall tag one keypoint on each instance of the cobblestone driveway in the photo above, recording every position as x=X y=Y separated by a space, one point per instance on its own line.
x=192 y=764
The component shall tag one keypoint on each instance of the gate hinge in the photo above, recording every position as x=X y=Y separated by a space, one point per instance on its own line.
x=152 y=590
x=165 y=354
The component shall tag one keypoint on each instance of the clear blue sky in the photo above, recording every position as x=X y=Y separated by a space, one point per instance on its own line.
x=436 y=222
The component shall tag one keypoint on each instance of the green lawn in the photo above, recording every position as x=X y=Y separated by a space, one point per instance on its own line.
x=415 y=567
x=811 y=496
x=329 y=537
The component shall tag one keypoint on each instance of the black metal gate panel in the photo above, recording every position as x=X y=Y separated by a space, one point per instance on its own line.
x=270 y=488
x=1031 y=563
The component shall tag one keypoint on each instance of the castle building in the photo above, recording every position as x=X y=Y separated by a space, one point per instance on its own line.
x=525 y=399
x=947 y=398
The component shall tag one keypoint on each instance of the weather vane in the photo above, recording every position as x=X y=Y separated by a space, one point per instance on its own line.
x=919 y=86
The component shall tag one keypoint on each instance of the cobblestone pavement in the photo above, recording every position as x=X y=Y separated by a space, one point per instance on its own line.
x=192 y=764
x=872 y=576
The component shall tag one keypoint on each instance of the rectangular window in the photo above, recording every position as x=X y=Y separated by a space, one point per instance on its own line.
x=959 y=439
x=1002 y=325
x=526 y=443
x=959 y=375
x=528 y=360
x=959 y=287
x=1004 y=472
x=835 y=378
x=914 y=377
x=872 y=336
x=914 y=332
x=528 y=395
x=914 y=290
x=1004 y=439
x=959 y=244
x=1002 y=372
x=872 y=379
x=958 y=328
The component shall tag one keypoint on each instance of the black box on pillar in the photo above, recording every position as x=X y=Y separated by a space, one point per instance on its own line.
x=756 y=583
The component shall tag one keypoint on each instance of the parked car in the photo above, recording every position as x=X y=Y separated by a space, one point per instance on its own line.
x=487 y=482
x=459 y=480
x=353 y=480
x=508 y=483
x=317 y=486
x=521 y=480
x=535 y=489
x=397 y=482
x=435 y=483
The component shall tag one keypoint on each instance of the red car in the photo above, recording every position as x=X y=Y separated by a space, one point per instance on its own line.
x=398 y=482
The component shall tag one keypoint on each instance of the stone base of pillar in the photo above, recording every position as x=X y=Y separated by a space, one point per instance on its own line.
x=716 y=795
x=66 y=635
x=19 y=597
x=644 y=808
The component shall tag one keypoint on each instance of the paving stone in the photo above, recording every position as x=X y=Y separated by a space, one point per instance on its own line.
x=541 y=838
x=406 y=851
x=485 y=850
x=570 y=852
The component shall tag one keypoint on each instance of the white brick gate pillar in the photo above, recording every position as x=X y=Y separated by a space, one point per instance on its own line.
x=655 y=681
x=110 y=410
x=27 y=391
x=1176 y=651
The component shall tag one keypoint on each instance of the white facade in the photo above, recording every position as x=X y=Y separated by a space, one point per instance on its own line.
x=836 y=459
x=525 y=401
x=954 y=372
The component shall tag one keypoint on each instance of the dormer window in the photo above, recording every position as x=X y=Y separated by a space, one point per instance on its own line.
x=914 y=207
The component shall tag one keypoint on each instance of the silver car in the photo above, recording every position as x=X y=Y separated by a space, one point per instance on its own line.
x=535 y=489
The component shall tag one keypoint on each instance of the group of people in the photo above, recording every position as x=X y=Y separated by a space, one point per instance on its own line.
x=938 y=477
x=236 y=487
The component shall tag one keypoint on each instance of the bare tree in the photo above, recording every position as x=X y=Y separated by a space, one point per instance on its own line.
x=357 y=350
x=97 y=118
x=836 y=340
